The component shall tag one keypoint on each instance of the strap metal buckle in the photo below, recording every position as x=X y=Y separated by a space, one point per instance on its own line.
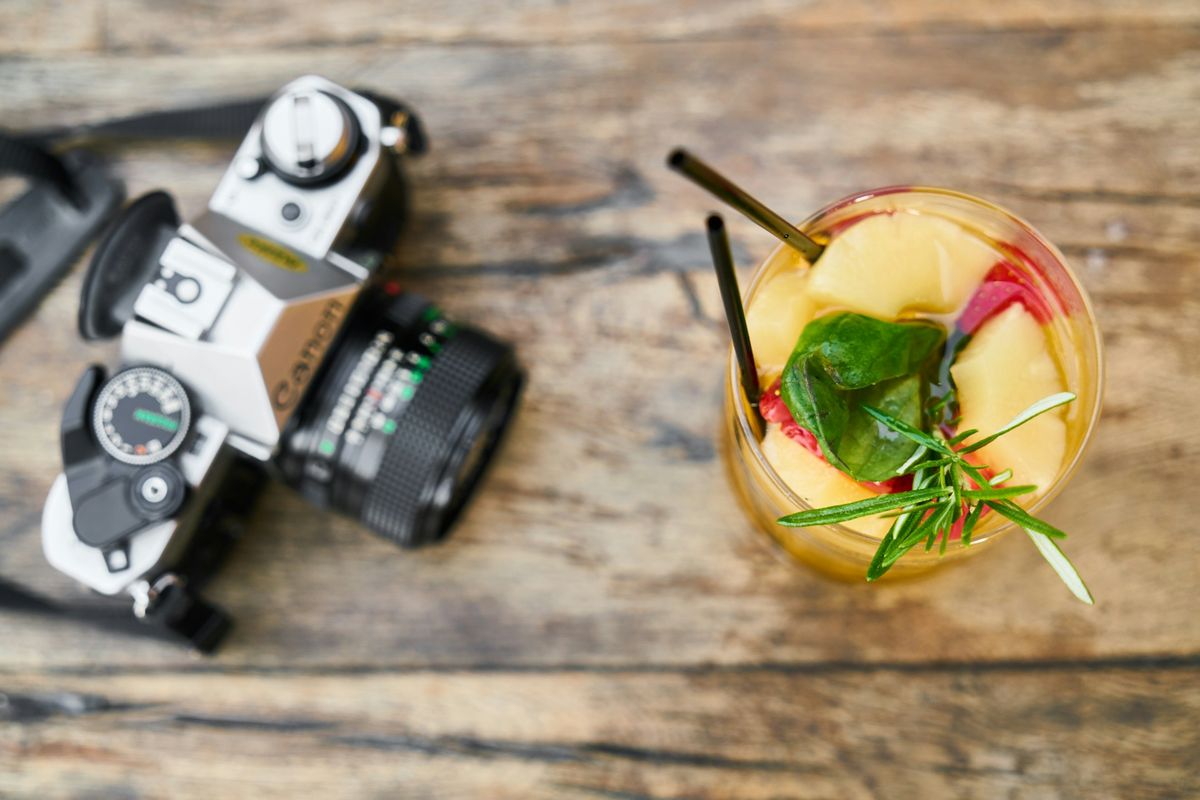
x=146 y=594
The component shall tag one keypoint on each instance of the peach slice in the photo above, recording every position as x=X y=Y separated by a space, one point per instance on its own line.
x=890 y=263
x=816 y=481
x=776 y=316
x=1004 y=369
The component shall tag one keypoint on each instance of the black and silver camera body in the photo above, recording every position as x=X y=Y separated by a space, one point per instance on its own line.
x=258 y=339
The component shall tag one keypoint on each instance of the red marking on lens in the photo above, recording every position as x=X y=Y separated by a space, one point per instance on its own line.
x=392 y=288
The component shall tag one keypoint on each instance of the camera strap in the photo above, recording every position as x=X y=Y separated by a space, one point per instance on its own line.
x=176 y=614
x=111 y=617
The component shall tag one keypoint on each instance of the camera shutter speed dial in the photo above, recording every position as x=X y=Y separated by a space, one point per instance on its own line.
x=309 y=136
x=141 y=415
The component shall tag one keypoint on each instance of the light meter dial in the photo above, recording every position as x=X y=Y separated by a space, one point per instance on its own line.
x=141 y=415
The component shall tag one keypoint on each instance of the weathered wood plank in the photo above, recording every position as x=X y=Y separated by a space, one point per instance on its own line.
x=143 y=25
x=608 y=534
x=50 y=27
x=1062 y=733
x=56 y=28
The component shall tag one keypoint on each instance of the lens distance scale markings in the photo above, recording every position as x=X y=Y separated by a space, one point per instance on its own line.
x=381 y=385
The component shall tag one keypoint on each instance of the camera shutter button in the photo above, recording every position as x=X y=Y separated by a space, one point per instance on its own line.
x=154 y=489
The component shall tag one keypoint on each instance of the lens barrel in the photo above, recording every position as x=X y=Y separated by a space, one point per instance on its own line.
x=402 y=419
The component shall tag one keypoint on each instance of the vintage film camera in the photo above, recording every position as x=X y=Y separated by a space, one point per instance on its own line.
x=257 y=340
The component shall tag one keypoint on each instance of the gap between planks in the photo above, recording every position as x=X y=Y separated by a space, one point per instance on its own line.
x=1184 y=662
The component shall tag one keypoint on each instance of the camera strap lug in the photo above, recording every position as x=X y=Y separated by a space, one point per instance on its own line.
x=168 y=604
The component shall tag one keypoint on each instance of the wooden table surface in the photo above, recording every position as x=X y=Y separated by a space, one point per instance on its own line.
x=605 y=624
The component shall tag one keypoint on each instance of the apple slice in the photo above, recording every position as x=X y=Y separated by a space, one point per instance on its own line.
x=776 y=316
x=890 y=263
x=1004 y=369
x=816 y=481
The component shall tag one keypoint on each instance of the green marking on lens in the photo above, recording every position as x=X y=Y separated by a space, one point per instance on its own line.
x=434 y=347
x=432 y=313
x=155 y=420
x=389 y=427
x=407 y=392
x=423 y=362
x=326 y=447
x=417 y=377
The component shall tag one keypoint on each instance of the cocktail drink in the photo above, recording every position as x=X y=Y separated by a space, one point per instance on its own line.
x=928 y=315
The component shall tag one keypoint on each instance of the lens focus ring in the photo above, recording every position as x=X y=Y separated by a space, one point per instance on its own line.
x=412 y=500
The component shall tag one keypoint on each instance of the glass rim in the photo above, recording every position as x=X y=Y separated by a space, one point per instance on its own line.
x=748 y=428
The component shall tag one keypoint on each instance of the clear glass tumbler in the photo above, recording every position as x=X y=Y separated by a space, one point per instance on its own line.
x=1074 y=338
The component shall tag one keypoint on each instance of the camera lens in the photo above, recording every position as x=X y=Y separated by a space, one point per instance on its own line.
x=402 y=419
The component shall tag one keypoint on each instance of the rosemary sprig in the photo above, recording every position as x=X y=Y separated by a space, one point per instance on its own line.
x=948 y=488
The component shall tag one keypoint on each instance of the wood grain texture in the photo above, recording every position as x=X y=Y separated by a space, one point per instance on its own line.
x=606 y=589
x=205 y=25
x=733 y=735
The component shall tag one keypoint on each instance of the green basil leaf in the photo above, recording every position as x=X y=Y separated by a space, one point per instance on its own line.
x=914 y=433
x=857 y=351
x=844 y=362
x=817 y=404
x=871 y=448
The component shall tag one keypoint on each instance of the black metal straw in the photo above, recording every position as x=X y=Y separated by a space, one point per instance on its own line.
x=730 y=193
x=731 y=297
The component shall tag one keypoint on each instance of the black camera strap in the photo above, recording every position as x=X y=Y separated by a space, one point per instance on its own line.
x=176 y=613
x=112 y=617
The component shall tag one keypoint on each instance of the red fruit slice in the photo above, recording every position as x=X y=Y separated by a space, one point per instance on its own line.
x=1004 y=285
x=801 y=436
x=900 y=483
x=771 y=405
x=773 y=409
